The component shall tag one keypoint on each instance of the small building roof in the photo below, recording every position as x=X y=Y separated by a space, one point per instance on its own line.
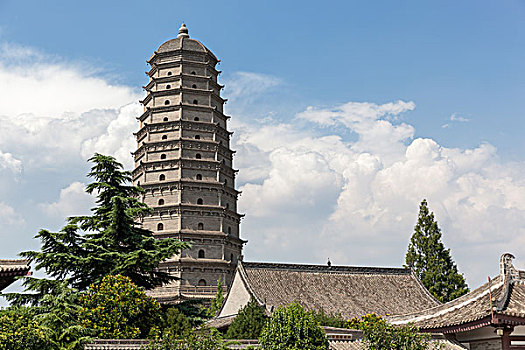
x=9 y=269
x=346 y=290
x=476 y=309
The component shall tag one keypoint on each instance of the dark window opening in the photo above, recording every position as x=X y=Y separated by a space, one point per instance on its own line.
x=202 y=255
x=198 y=156
x=161 y=201
x=200 y=226
x=195 y=102
x=231 y=257
x=165 y=119
x=167 y=102
x=202 y=283
x=168 y=86
x=228 y=206
x=197 y=137
x=162 y=156
x=199 y=177
x=200 y=201
x=169 y=73
x=162 y=177
x=229 y=230
x=193 y=73
x=196 y=119
x=160 y=226
x=194 y=86
x=164 y=137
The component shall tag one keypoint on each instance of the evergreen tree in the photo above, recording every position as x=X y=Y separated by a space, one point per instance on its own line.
x=430 y=260
x=249 y=322
x=176 y=324
x=216 y=303
x=108 y=242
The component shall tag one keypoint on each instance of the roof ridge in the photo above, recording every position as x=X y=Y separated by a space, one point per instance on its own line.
x=326 y=268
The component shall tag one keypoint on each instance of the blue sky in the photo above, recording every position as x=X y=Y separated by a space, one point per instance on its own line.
x=354 y=111
x=450 y=57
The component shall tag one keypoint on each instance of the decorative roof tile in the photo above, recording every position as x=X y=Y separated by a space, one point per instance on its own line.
x=346 y=290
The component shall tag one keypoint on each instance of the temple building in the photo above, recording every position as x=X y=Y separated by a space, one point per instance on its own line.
x=185 y=165
x=490 y=317
x=351 y=291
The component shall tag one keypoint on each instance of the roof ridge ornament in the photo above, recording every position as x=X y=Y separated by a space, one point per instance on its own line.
x=183 y=31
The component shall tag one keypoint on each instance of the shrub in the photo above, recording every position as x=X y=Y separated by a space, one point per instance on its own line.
x=380 y=335
x=117 y=308
x=292 y=328
x=19 y=330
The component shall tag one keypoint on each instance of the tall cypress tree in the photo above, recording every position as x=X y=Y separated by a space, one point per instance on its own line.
x=430 y=260
x=108 y=242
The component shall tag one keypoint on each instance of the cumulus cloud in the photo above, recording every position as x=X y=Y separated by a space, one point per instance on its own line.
x=73 y=201
x=9 y=216
x=9 y=162
x=54 y=113
x=357 y=201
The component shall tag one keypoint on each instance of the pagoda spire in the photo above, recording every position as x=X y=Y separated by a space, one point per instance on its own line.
x=183 y=31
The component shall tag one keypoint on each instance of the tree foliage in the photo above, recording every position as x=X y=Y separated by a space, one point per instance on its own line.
x=380 y=335
x=430 y=260
x=108 y=242
x=249 y=322
x=292 y=328
x=20 y=330
x=216 y=303
x=116 y=309
x=175 y=323
x=330 y=320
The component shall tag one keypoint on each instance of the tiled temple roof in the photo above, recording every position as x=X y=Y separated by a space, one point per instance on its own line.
x=9 y=269
x=473 y=310
x=349 y=291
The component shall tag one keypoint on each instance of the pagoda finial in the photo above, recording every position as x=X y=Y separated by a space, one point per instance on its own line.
x=183 y=31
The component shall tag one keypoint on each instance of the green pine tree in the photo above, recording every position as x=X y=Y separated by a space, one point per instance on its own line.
x=108 y=242
x=249 y=322
x=430 y=260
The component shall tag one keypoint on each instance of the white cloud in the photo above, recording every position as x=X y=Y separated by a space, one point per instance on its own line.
x=9 y=162
x=8 y=216
x=73 y=201
x=457 y=118
x=55 y=113
x=357 y=202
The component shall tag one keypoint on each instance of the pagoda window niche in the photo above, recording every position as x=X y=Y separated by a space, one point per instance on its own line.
x=200 y=226
x=200 y=201
x=162 y=177
x=160 y=226
x=202 y=254
x=195 y=102
x=198 y=177
x=202 y=283
x=198 y=156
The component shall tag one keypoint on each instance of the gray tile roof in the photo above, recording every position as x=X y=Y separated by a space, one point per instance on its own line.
x=473 y=310
x=350 y=291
